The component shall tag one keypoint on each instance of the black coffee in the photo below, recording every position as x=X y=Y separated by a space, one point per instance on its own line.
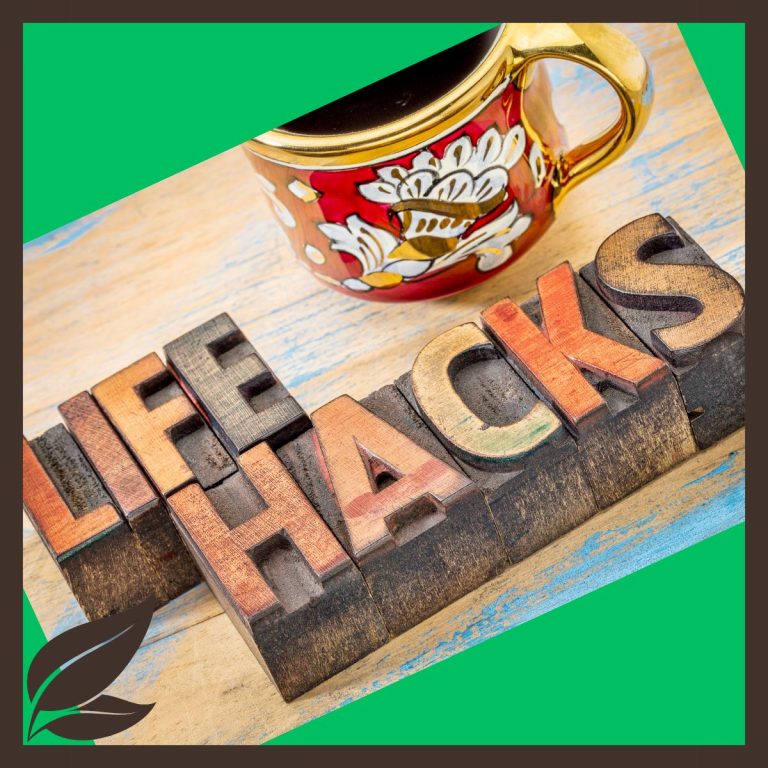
x=400 y=94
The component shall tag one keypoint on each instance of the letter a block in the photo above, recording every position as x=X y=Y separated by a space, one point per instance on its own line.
x=417 y=527
x=685 y=308
x=293 y=593
x=97 y=553
x=621 y=403
x=503 y=436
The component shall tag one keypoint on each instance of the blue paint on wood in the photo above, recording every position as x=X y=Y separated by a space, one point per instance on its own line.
x=719 y=470
x=66 y=235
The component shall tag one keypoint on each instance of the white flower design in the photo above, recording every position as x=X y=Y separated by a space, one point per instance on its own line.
x=492 y=244
x=373 y=248
x=377 y=249
x=443 y=197
x=437 y=201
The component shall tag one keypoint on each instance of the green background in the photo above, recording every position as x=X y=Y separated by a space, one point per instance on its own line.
x=657 y=657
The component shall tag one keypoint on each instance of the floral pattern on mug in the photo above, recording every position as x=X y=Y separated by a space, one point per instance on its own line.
x=437 y=202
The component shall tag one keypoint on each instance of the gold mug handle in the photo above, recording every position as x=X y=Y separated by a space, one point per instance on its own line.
x=613 y=56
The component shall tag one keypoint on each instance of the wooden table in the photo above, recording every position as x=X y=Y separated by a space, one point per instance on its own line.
x=107 y=289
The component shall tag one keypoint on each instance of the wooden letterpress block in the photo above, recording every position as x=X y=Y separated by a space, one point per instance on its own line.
x=131 y=492
x=503 y=437
x=622 y=403
x=295 y=596
x=99 y=556
x=242 y=399
x=684 y=307
x=165 y=432
x=417 y=527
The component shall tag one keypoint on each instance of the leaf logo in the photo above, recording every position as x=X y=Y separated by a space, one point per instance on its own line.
x=69 y=673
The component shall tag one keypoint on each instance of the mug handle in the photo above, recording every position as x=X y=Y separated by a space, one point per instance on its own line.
x=613 y=56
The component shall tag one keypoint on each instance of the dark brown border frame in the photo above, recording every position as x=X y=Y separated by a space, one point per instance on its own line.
x=347 y=11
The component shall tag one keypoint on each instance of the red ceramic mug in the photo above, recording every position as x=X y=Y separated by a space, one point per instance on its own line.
x=438 y=177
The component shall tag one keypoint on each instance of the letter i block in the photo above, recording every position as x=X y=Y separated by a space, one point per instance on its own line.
x=622 y=403
x=417 y=527
x=685 y=308
x=164 y=431
x=97 y=553
x=239 y=394
x=503 y=437
x=132 y=494
x=293 y=593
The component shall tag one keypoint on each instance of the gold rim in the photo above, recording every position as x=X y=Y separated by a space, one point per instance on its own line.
x=597 y=46
x=381 y=142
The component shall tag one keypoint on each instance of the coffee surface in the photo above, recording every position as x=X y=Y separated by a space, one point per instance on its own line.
x=399 y=94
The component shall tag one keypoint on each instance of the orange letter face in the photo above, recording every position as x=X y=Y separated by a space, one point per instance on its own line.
x=631 y=430
x=98 y=555
x=417 y=527
x=294 y=594
x=137 y=501
x=549 y=358
x=271 y=507
x=563 y=323
x=387 y=487
x=162 y=427
x=59 y=528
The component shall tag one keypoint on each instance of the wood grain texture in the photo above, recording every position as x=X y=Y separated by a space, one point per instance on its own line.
x=641 y=428
x=204 y=241
x=544 y=366
x=239 y=394
x=417 y=527
x=162 y=427
x=687 y=309
x=134 y=497
x=64 y=529
x=112 y=461
x=298 y=600
x=99 y=556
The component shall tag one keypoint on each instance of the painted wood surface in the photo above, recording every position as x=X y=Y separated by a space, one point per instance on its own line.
x=109 y=288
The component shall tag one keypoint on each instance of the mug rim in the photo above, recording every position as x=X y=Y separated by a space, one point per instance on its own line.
x=395 y=137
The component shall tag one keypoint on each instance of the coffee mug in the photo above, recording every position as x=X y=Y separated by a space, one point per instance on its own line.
x=436 y=178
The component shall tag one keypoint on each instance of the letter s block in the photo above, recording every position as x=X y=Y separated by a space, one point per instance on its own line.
x=685 y=308
x=297 y=599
